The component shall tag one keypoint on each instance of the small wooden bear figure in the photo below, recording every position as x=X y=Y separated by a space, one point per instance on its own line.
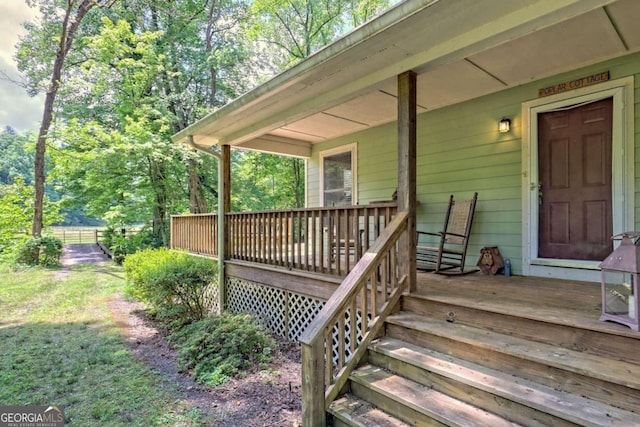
x=490 y=261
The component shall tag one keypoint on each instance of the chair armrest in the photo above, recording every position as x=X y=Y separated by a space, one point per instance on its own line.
x=448 y=233
x=427 y=233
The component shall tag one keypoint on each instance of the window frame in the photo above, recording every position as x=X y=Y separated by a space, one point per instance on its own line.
x=353 y=149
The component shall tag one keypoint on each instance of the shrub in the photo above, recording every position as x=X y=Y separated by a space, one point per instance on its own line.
x=174 y=283
x=122 y=245
x=45 y=251
x=218 y=348
x=107 y=237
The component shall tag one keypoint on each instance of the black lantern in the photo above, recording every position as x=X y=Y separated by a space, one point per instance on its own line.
x=620 y=276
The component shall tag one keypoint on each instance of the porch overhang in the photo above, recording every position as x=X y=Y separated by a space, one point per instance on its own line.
x=460 y=50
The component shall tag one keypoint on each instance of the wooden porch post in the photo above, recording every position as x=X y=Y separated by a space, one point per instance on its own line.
x=225 y=199
x=407 y=172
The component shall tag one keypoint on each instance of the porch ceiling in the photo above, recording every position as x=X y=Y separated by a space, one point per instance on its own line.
x=461 y=49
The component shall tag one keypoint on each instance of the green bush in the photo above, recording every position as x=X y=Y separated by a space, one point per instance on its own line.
x=45 y=251
x=218 y=348
x=174 y=283
x=107 y=237
x=122 y=245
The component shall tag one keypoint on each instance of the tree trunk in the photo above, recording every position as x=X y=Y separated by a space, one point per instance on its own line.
x=69 y=28
x=298 y=174
x=159 y=186
x=197 y=201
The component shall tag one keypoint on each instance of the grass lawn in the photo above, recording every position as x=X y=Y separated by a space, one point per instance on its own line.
x=59 y=345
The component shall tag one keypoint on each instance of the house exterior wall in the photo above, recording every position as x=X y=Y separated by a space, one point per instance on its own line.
x=460 y=151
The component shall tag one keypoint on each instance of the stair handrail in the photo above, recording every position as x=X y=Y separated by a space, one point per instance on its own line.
x=374 y=286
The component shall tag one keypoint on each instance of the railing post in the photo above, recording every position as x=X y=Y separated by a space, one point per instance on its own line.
x=313 y=387
x=407 y=172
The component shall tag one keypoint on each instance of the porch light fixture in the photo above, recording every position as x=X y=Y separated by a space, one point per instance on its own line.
x=504 y=125
x=620 y=277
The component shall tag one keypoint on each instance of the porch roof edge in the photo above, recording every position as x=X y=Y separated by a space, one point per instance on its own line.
x=287 y=77
x=318 y=82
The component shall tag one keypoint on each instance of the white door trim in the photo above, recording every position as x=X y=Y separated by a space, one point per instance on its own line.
x=622 y=92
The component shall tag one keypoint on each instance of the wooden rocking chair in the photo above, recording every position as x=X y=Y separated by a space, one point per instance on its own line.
x=449 y=256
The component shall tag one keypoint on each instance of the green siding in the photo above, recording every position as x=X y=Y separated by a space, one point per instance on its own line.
x=460 y=151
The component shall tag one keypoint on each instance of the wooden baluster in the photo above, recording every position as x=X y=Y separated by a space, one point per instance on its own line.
x=374 y=293
x=353 y=327
x=341 y=341
x=365 y=308
x=321 y=231
x=328 y=363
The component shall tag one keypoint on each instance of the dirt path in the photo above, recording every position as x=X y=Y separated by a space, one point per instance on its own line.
x=82 y=253
x=268 y=398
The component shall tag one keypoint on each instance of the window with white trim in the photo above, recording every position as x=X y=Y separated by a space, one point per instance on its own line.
x=338 y=176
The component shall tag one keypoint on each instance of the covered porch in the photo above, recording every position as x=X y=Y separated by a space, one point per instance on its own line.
x=414 y=99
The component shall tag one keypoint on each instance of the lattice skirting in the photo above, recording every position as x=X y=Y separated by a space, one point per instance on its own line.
x=211 y=300
x=285 y=313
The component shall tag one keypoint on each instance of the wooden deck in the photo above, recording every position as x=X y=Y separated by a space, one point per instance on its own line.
x=570 y=303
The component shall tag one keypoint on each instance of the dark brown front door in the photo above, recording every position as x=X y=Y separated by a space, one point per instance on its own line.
x=574 y=152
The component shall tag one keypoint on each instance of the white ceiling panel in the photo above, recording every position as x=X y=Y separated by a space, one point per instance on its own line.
x=286 y=133
x=455 y=82
x=371 y=109
x=626 y=16
x=324 y=126
x=579 y=41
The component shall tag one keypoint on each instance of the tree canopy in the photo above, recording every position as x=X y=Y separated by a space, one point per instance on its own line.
x=123 y=77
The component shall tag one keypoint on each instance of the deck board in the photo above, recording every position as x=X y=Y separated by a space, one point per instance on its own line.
x=566 y=302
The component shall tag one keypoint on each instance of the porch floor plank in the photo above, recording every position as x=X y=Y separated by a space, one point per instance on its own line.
x=572 y=303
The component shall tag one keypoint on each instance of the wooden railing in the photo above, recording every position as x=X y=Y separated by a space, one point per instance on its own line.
x=197 y=233
x=372 y=288
x=322 y=240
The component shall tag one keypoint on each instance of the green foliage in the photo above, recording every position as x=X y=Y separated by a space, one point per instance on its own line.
x=17 y=157
x=298 y=28
x=263 y=181
x=45 y=251
x=16 y=213
x=174 y=283
x=122 y=244
x=148 y=71
x=218 y=348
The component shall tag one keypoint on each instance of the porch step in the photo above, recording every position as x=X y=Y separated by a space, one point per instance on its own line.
x=351 y=411
x=608 y=381
x=566 y=315
x=417 y=404
x=520 y=400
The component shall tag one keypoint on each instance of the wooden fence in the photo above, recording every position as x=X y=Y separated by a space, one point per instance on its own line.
x=69 y=235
